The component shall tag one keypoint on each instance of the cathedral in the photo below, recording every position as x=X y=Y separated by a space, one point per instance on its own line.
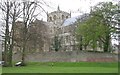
x=58 y=33
x=62 y=28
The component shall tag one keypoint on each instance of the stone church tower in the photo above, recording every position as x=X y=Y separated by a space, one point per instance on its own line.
x=56 y=20
x=58 y=17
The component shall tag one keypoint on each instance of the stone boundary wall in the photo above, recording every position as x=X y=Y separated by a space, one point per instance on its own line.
x=70 y=56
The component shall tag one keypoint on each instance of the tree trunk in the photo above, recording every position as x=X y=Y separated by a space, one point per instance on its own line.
x=12 y=39
x=106 y=44
x=6 y=37
x=12 y=43
x=23 y=54
x=85 y=47
x=24 y=47
x=24 y=43
x=81 y=43
x=10 y=56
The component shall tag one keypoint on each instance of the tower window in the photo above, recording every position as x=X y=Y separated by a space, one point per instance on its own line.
x=66 y=17
x=54 y=17
x=50 y=18
x=62 y=16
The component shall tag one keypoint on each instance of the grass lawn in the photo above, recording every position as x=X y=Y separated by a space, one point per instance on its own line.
x=64 y=67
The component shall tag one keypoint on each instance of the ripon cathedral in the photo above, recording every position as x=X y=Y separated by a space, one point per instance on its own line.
x=58 y=33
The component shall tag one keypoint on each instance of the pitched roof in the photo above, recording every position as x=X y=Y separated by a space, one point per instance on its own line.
x=72 y=20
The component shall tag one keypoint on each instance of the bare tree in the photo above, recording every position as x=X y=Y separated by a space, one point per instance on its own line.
x=14 y=15
x=11 y=11
x=5 y=7
x=29 y=16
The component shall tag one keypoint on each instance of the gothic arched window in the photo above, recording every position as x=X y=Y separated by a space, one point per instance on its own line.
x=50 y=18
x=54 y=17
x=62 y=16
x=66 y=17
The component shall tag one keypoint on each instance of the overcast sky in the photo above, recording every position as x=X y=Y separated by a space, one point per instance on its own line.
x=75 y=6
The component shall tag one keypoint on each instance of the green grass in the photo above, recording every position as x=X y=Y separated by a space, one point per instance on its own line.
x=0 y=70
x=64 y=67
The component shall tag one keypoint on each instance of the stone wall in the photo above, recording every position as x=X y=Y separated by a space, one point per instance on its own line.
x=70 y=56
